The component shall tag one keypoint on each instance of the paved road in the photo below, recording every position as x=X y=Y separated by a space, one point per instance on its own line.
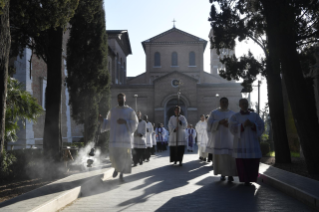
x=160 y=186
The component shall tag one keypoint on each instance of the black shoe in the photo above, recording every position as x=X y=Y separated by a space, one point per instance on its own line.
x=135 y=164
x=175 y=162
x=180 y=163
x=121 y=178
x=247 y=184
x=141 y=163
x=115 y=173
x=230 y=179
x=222 y=178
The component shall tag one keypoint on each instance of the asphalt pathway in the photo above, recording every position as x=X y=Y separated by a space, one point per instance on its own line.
x=160 y=186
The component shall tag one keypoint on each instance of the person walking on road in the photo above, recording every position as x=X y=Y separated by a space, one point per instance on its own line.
x=122 y=123
x=202 y=137
x=246 y=127
x=221 y=141
x=139 y=141
x=177 y=141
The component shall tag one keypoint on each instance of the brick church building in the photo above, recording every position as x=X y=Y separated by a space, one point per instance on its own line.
x=174 y=62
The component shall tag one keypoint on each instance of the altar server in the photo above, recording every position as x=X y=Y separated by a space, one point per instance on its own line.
x=139 y=141
x=246 y=127
x=176 y=126
x=221 y=141
x=202 y=137
x=149 y=138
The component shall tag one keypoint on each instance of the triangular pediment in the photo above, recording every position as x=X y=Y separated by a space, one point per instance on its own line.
x=175 y=35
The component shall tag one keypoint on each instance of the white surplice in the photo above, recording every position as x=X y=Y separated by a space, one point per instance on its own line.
x=149 y=134
x=121 y=136
x=220 y=143
x=202 y=137
x=220 y=138
x=140 y=142
x=246 y=144
x=172 y=124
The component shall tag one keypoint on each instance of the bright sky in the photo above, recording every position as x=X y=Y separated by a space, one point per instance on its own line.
x=147 y=18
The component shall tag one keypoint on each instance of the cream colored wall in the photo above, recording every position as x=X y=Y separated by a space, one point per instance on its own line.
x=166 y=51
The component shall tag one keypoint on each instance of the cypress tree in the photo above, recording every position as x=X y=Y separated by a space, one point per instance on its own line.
x=87 y=79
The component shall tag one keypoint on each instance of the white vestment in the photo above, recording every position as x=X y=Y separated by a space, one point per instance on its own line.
x=202 y=138
x=190 y=137
x=172 y=124
x=246 y=144
x=220 y=138
x=121 y=136
x=221 y=143
x=154 y=138
x=140 y=142
x=149 y=134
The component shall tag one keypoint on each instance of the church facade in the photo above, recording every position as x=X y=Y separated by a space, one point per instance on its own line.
x=175 y=75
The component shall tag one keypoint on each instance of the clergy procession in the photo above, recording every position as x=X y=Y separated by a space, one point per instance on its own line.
x=229 y=139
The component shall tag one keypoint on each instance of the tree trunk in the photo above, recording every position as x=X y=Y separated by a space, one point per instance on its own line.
x=5 y=42
x=52 y=140
x=276 y=105
x=280 y=22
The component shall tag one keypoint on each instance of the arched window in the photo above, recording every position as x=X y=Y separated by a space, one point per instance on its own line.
x=157 y=59
x=174 y=59
x=192 y=61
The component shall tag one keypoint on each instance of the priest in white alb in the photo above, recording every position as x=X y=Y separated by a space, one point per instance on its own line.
x=202 y=137
x=122 y=123
x=246 y=127
x=177 y=139
x=220 y=142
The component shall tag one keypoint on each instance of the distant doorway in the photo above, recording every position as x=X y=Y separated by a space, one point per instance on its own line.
x=170 y=106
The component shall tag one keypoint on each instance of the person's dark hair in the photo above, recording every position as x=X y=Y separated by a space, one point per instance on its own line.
x=202 y=115
x=223 y=98
x=241 y=100
x=121 y=94
x=180 y=109
x=146 y=116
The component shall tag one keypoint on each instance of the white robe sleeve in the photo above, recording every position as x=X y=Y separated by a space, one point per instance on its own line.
x=105 y=126
x=260 y=126
x=143 y=130
x=132 y=122
x=234 y=126
x=212 y=123
x=194 y=134
x=184 y=122
x=171 y=125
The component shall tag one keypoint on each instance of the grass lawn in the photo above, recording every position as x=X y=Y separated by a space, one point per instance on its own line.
x=293 y=154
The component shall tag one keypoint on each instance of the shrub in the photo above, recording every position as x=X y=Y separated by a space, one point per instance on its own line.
x=24 y=163
x=7 y=160
x=265 y=148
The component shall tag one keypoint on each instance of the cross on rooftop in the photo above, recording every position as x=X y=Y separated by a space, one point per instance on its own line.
x=174 y=23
